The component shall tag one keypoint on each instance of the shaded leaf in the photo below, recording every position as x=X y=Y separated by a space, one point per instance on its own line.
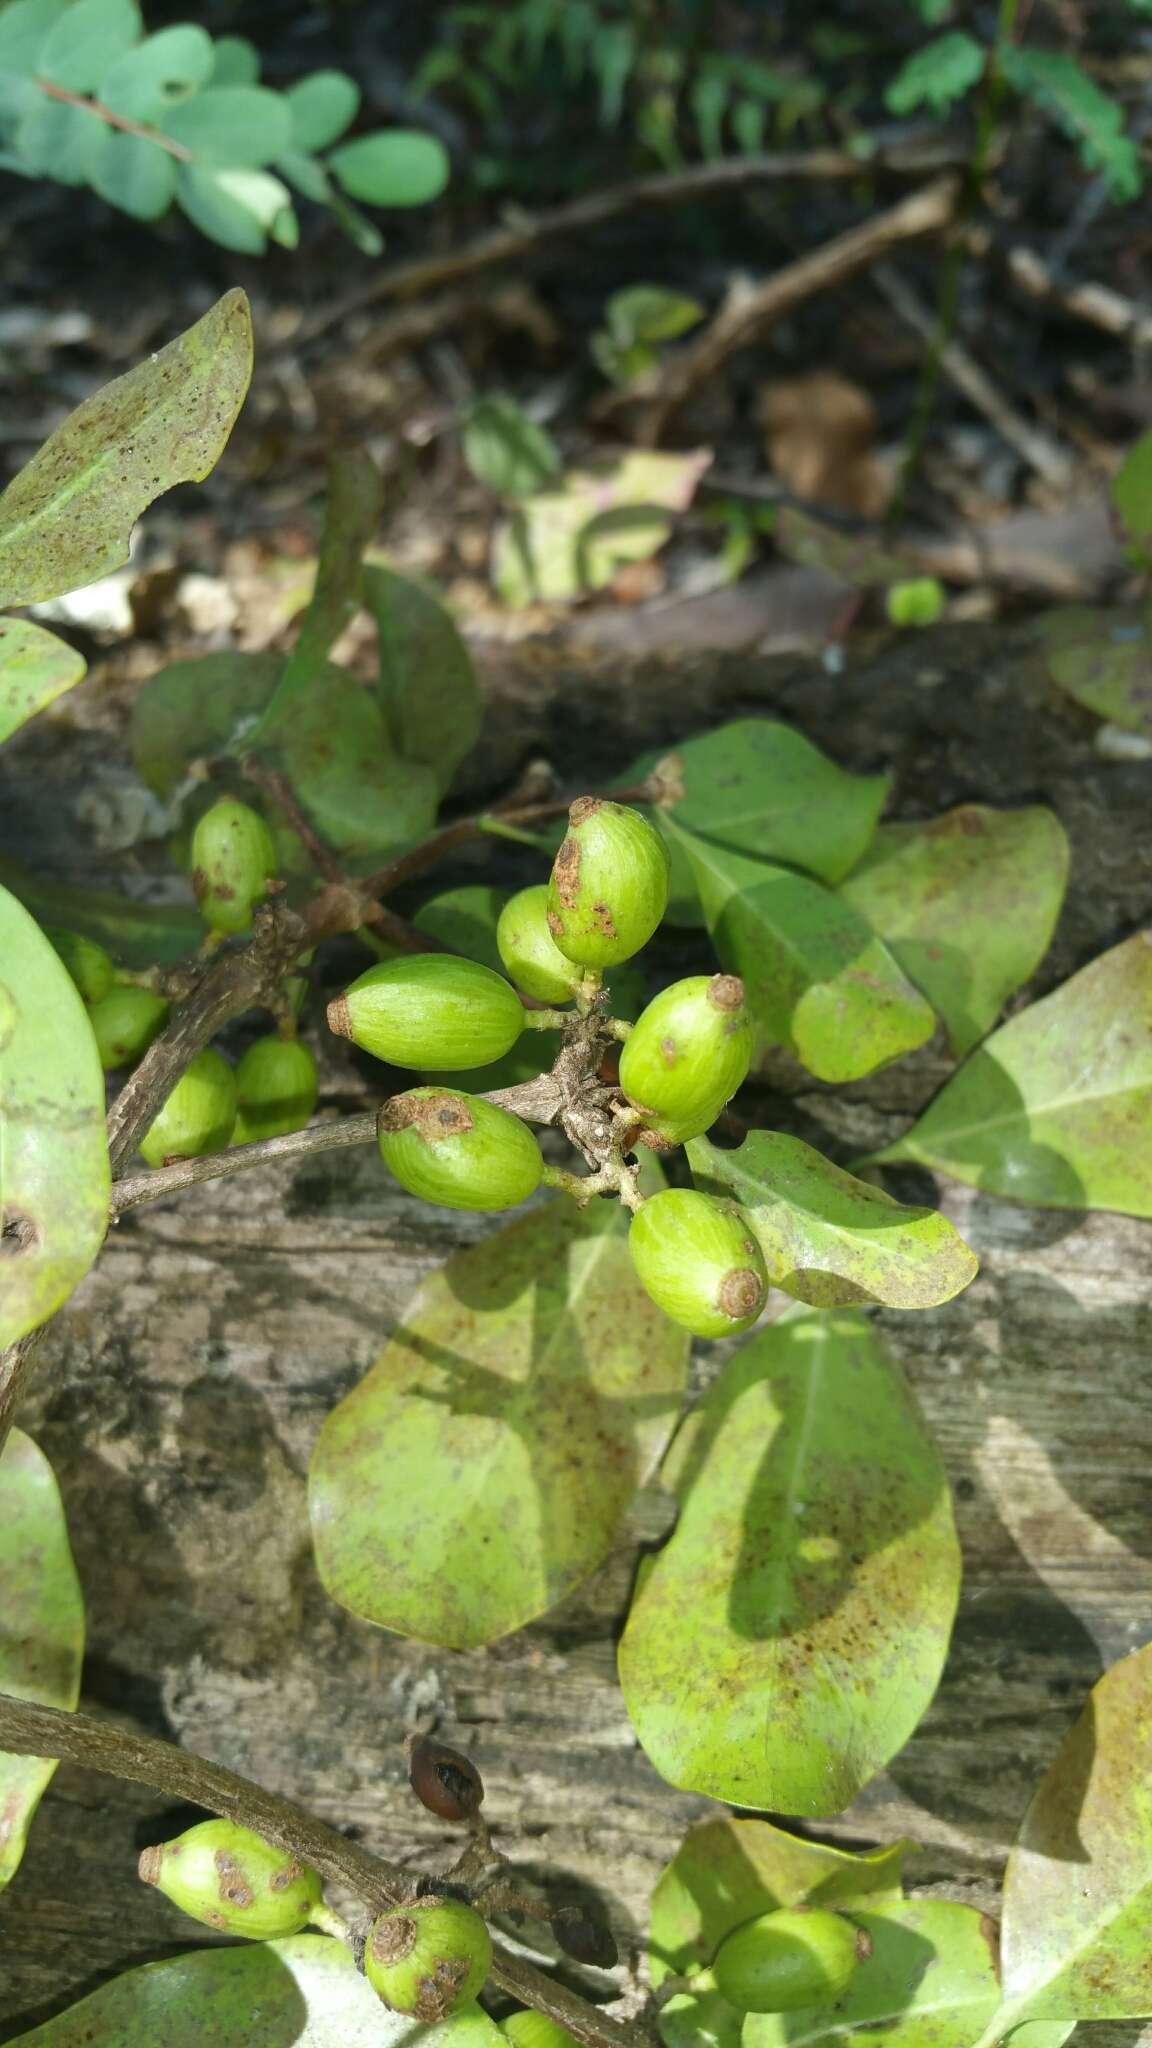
x=35 y=669
x=333 y=744
x=396 y=167
x=573 y=539
x=427 y=682
x=302 y=1993
x=322 y=106
x=857 y=558
x=937 y=74
x=484 y=1466
x=506 y=450
x=967 y=904
x=137 y=934
x=1103 y=659
x=86 y=40
x=1056 y=1107
x=67 y=518
x=192 y=710
x=235 y=61
x=929 y=1982
x=351 y=511
x=41 y=1624
x=132 y=173
x=785 y=1642
x=54 y=1176
x=650 y=313
x=818 y=979
x=828 y=1238
x=1058 y=83
x=231 y=127
x=25 y=27
x=1132 y=490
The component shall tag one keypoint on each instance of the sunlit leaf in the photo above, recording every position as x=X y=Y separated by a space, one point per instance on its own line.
x=1056 y=1107
x=35 y=669
x=783 y=1645
x=67 y=517
x=1103 y=659
x=53 y=1155
x=484 y=1466
x=427 y=682
x=967 y=905
x=572 y=539
x=819 y=981
x=41 y=1623
x=828 y=1238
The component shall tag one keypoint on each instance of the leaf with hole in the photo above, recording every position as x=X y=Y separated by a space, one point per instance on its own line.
x=53 y=1156
x=395 y=167
x=428 y=685
x=41 y=1623
x=967 y=905
x=67 y=517
x=1103 y=659
x=782 y=1646
x=484 y=1466
x=828 y=1238
x=161 y=70
x=35 y=669
x=1056 y=1107
x=819 y=981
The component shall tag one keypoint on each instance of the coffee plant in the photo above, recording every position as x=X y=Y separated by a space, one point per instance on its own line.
x=786 y=1639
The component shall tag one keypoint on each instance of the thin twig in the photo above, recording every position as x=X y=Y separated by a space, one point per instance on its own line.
x=1096 y=304
x=28 y=1729
x=406 y=866
x=121 y=121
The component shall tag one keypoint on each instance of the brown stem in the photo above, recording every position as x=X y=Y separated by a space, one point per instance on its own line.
x=28 y=1729
x=416 y=858
x=121 y=121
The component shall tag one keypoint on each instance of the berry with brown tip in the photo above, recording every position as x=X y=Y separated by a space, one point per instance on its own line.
x=609 y=884
x=699 y=1261
x=685 y=1056
x=458 y=1150
x=428 y=1958
x=233 y=860
x=229 y=1878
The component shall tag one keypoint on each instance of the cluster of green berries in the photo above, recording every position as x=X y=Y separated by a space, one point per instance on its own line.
x=785 y=1961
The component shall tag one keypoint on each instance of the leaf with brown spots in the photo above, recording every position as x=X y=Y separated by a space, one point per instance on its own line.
x=67 y=518
x=967 y=905
x=1102 y=658
x=54 y=1177
x=785 y=1642
x=484 y=1466
x=35 y=669
x=1056 y=1107
x=828 y=1238
x=41 y=1624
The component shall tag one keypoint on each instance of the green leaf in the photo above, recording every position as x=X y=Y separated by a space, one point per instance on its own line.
x=428 y=685
x=573 y=539
x=506 y=451
x=41 y=1624
x=231 y=127
x=937 y=75
x=322 y=106
x=192 y=710
x=307 y=174
x=234 y=208
x=1056 y=1107
x=302 y=1993
x=929 y=1982
x=86 y=40
x=1078 y=1888
x=395 y=167
x=236 y=61
x=485 y=1465
x=136 y=934
x=785 y=1642
x=67 y=517
x=25 y=27
x=351 y=512
x=1132 y=490
x=649 y=313
x=134 y=174
x=858 y=558
x=1058 y=84
x=54 y=1176
x=1102 y=658
x=332 y=742
x=818 y=980
x=967 y=905
x=35 y=669
x=57 y=140
x=828 y=1238
x=761 y=788
x=164 y=68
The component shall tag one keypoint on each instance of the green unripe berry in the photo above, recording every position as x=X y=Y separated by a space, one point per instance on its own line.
x=535 y=2030
x=198 y=1115
x=233 y=860
x=458 y=1150
x=781 y=1961
x=609 y=886
x=89 y=965
x=687 y=1053
x=276 y=1088
x=124 y=1023
x=528 y=950
x=918 y=602
x=699 y=1261
x=430 y=1010
x=428 y=1958
x=230 y=1878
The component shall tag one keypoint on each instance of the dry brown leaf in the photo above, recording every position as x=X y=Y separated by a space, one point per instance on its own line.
x=820 y=435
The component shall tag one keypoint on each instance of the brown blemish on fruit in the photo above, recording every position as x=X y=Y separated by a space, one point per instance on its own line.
x=340 y=1017
x=726 y=992
x=434 y=1117
x=603 y=921
x=285 y=1878
x=655 y=1142
x=436 y=1993
x=864 y=1945
x=393 y=1938
x=585 y=807
x=566 y=873
x=669 y=1051
x=150 y=1865
x=234 y=1887
x=555 y=924
x=740 y=1293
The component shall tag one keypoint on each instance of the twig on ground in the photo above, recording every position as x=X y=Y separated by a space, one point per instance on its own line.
x=28 y=1729
x=747 y=313
x=1096 y=304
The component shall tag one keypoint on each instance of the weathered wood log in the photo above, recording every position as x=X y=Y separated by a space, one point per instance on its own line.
x=180 y=1393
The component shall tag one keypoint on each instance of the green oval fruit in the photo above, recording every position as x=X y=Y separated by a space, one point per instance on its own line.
x=609 y=886
x=687 y=1053
x=784 y=1960
x=428 y=1958
x=198 y=1115
x=430 y=1010
x=699 y=1261
x=233 y=860
x=124 y=1023
x=89 y=965
x=528 y=950
x=535 y=2030
x=230 y=1878
x=277 y=1083
x=458 y=1150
